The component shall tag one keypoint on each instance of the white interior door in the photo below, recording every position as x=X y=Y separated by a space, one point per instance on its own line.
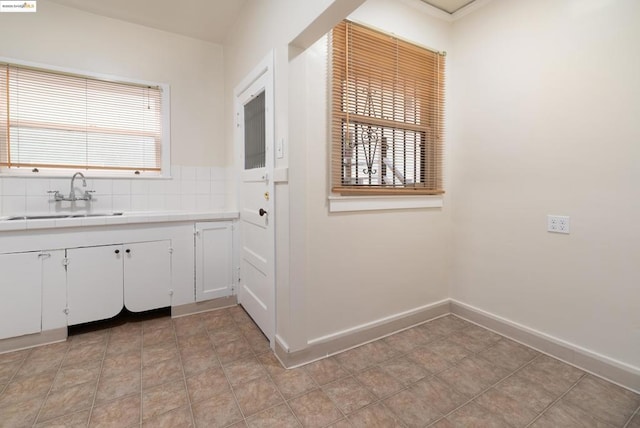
x=255 y=146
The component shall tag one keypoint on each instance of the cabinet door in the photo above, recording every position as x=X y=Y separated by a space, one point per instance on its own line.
x=94 y=283
x=147 y=275
x=214 y=260
x=54 y=290
x=20 y=294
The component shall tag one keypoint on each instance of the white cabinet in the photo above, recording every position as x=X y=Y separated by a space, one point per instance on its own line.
x=147 y=275
x=214 y=260
x=20 y=294
x=94 y=283
x=26 y=277
x=103 y=279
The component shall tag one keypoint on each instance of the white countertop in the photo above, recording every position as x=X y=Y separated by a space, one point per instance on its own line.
x=132 y=217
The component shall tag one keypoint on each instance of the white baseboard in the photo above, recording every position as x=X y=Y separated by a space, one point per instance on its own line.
x=31 y=340
x=608 y=368
x=207 y=305
x=339 y=341
x=376 y=323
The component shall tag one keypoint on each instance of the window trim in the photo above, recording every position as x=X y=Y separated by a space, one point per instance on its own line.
x=378 y=203
x=165 y=165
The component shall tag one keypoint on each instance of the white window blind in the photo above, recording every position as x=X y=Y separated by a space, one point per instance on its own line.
x=54 y=120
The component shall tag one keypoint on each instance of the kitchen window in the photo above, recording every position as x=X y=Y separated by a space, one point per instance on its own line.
x=387 y=111
x=58 y=121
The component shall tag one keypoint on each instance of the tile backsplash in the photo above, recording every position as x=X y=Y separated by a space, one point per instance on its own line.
x=189 y=189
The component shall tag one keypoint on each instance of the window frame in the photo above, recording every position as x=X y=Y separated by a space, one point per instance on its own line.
x=165 y=117
x=341 y=192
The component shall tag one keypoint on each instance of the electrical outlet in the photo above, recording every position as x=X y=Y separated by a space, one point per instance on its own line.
x=558 y=224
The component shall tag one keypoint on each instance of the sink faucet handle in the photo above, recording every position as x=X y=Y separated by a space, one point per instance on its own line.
x=56 y=194
x=88 y=194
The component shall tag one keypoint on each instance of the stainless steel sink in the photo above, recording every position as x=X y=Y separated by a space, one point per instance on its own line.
x=57 y=216
x=95 y=215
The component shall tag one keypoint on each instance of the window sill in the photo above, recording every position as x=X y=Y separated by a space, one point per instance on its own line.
x=373 y=203
x=94 y=173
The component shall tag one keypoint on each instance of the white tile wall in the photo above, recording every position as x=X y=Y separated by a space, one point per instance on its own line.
x=189 y=189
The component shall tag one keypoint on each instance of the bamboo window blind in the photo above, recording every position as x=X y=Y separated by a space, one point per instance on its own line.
x=62 y=121
x=387 y=110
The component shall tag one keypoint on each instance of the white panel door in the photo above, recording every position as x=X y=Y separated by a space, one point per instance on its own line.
x=20 y=294
x=147 y=275
x=94 y=283
x=255 y=146
x=214 y=260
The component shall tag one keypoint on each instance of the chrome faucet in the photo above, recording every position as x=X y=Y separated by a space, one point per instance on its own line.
x=86 y=195
x=72 y=193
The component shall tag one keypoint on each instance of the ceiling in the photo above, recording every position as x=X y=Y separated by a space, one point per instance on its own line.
x=208 y=20
x=201 y=19
x=449 y=6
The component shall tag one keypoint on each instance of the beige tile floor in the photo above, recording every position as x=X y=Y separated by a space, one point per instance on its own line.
x=215 y=370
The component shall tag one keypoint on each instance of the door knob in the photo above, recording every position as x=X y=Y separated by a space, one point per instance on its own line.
x=262 y=212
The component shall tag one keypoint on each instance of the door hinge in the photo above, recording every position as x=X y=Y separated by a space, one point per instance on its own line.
x=66 y=311
x=238 y=273
x=65 y=262
x=170 y=250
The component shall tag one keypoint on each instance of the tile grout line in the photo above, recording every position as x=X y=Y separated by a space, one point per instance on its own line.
x=46 y=397
x=141 y=373
x=476 y=354
x=316 y=386
x=161 y=343
x=540 y=354
x=6 y=385
x=284 y=400
x=550 y=405
x=95 y=391
x=636 y=413
x=224 y=372
x=4 y=388
x=184 y=375
x=492 y=386
x=380 y=401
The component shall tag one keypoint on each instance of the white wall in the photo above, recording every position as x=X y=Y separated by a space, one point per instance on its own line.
x=264 y=26
x=65 y=37
x=366 y=266
x=546 y=100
